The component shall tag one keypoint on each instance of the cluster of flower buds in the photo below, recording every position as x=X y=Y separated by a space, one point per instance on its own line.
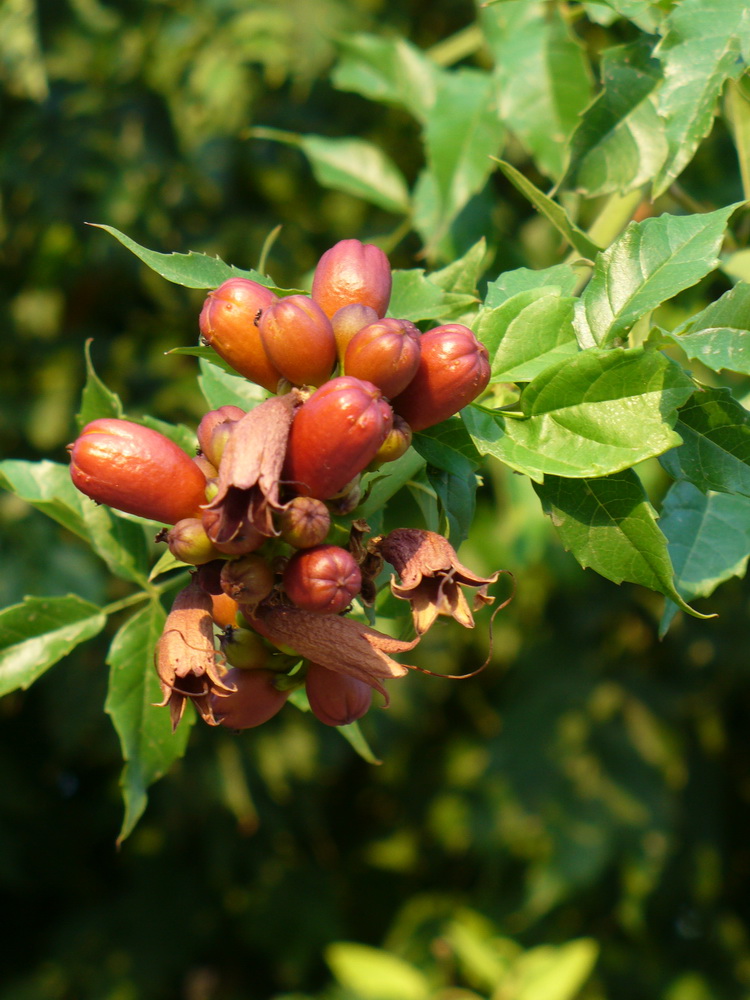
x=266 y=610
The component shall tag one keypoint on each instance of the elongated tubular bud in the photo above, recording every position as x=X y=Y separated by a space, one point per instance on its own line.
x=336 y=699
x=349 y=320
x=228 y=323
x=453 y=369
x=335 y=435
x=137 y=470
x=211 y=420
x=298 y=339
x=323 y=579
x=304 y=522
x=385 y=353
x=352 y=272
x=254 y=701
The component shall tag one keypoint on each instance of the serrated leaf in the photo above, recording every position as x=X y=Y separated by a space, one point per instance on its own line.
x=542 y=77
x=555 y=213
x=372 y=974
x=462 y=275
x=527 y=334
x=149 y=747
x=646 y=265
x=388 y=70
x=598 y=413
x=560 y=277
x=448 y=446
x=719 y=336
x=463 y=132
x=619 y=143
x=219 y=388
x=708 y=536
x=715 y=453
x=48 y=487
x=96 y=399
x=358 y=168
x=457 y=497
x=194 y=270
x=609 y=525
x=416 y=298
x=700 y=51
x=39 y=632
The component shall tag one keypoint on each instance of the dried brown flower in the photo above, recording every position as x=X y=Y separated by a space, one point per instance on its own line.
x=432 y=577
x=250 y=468
x=338 y=643
x=185 y=657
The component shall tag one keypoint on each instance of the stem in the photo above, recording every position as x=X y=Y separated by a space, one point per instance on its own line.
x=266 y=249
x=738 y=108
x=607 y=226
x=464 y=43
x=144 y=595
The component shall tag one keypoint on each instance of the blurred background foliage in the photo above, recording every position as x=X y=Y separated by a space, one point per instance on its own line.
x=573 y=822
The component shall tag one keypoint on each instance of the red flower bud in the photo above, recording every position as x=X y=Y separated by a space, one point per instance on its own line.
x=349 y=320
x=136 y=469
x=254 y=701
x=453 y=369
x=336 y=699
x=334 y=435
x=248 y=579
x=228 y=322
x=189 y=542
x=385 y=353
x=298 y=339
x=304 y=522
x=352 y=272
x=395 y=445
x=323 y=579
x=225 y=416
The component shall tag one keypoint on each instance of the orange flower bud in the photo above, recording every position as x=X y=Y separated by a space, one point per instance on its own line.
x=298 y=339
x=136 y=469
x=323 y=579
x=385 y=353
x=349 y=320
x=352 y=272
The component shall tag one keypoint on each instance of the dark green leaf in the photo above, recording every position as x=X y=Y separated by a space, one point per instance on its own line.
x=389 y=70
x=542 y=77
x=206 y=354
x=646 y=14
x=560 y=277
x=380 y=486
x=715 y=454
x=620 y=143
x=555 y=213
x=527 y=334
x=182 y=436
x=609 y=525
x=194 y=270
x=39 y=632
x=219 y=388
x=48 y=487
x=96 y=400
x=449 y=447
x=457 y=495
x=708 y=536
x=719 y=336
x=149 y=746
x=599 y=412
x=700 y=52
x=648 y=264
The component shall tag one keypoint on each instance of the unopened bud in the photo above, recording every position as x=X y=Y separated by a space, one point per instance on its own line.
x=304 y=522
x=335 y=698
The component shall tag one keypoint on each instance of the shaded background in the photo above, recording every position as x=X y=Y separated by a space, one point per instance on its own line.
x=592 y=784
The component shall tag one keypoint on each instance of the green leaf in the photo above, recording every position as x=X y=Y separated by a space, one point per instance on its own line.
x=462 y=133
x=715 y=453
x=620 y=144
x=609 y=525
x=219 y=388
x=542 y=77
x=555 y=972
x=416 y=298
x=388 y=70
x=699 y=53
x=462 y=275
x=356 y=739
x=194 y=270
x=708 y=536
x=371 y=974
x=555 y=213
x=527 y=334
x=184 y=437
x=149 y=747
x=96 y=400
x=207 y=354
x=39 y=632
x=560 y=277
x=646 y=14
x=646 y=265
x=358 y=168
x=380 y=486
x=448 y=446
x=719 y=336
x=597 y=413
x=48 y=487
x=457 y=496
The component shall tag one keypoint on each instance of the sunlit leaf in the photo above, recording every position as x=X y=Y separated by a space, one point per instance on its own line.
x=560 y=277
x=372 y=974
x=719 y=335
x=96 y=399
